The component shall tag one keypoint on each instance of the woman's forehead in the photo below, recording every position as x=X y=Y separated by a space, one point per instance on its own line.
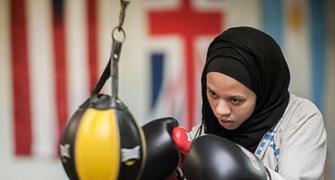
x=221 y=83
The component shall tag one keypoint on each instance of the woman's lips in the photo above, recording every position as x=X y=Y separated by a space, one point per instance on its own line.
x=225 y=123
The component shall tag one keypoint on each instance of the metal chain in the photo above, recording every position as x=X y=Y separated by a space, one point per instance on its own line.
x=122 y=15
x=124 y=4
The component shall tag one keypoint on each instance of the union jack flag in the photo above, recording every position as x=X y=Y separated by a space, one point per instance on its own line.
x=179 y=34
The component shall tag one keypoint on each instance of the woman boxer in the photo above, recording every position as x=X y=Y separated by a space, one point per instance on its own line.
x=246 y=100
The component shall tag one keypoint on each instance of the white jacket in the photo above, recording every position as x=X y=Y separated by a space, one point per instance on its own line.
x=296 y=148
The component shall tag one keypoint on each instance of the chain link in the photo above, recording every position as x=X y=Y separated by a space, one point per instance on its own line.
x=120 y=32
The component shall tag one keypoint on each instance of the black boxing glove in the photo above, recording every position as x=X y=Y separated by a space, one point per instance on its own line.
x=212 y=157
x=162 y=154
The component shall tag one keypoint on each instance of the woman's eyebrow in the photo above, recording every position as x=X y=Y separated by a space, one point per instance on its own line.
x=237 y=97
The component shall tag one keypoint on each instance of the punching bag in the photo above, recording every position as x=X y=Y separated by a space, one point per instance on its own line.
x=102 y=141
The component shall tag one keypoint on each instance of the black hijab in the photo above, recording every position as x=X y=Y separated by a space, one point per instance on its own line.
x=254 y=59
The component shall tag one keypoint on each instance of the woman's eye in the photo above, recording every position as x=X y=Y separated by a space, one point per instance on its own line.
x=235 y=101
x=212 y=94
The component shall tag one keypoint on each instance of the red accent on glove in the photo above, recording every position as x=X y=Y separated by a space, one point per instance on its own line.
x=182 y=139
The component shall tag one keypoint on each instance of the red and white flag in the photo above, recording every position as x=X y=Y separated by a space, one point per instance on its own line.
x=54 y=63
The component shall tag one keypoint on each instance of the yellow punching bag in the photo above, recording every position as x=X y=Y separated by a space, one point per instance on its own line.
x=102 y=141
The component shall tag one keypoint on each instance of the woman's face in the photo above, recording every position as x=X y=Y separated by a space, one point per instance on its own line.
x=232 y=103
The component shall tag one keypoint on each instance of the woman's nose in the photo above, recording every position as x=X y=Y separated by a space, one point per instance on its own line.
x=223 y=108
